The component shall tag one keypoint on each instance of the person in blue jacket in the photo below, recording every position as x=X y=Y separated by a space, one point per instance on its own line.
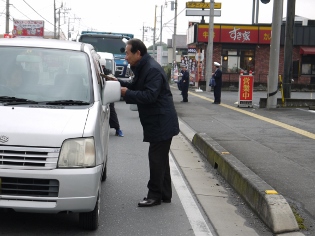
x=150 y=90
x=184 y=82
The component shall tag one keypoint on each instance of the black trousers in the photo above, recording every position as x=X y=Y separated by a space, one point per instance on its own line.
x=113 y=119
x=160 y=183
x=217 y=93
x=185 y=92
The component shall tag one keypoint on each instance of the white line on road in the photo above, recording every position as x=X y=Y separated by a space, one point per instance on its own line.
x=193 y=213
x=311 y=111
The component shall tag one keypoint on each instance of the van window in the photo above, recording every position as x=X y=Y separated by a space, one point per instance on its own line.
x=45 y=74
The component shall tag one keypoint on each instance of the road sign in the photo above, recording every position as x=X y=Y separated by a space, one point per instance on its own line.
x=200 y=5
x=202 y=13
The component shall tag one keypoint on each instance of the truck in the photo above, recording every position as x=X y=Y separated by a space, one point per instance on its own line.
x=110 y=42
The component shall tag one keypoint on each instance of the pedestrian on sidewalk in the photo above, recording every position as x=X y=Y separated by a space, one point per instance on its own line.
x=217 y=75
x=184 y=82
x=151 y=92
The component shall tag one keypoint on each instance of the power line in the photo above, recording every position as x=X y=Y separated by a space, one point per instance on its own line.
x=25 y=16
x=175 y=16
x=20 y=12
x=38 y=13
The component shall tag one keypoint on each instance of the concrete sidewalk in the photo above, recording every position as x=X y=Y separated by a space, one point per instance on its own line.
x=267 y=203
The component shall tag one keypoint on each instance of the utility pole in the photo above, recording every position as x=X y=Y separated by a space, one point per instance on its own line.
x=288 y=47
x=210 y=47
x=58 y=23
x=144 y=30
x=55 y=19
x=274 y=54
x=253 y=12
x=154 y=30
x=161 y=26
x=74 y=18
x=174 y=37
x=7 y=17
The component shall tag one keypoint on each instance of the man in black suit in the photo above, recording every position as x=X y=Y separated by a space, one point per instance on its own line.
x=218 y=83
x=150 y=90
x=184 y=82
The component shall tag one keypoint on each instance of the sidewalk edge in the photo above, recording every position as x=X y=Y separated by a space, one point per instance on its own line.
x=273 y=209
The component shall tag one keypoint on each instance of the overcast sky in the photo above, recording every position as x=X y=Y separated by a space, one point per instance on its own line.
x=130 y=16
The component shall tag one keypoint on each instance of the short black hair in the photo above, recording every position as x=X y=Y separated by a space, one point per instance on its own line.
x=137 y=44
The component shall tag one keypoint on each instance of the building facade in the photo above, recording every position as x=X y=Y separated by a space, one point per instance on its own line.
x=247 y=48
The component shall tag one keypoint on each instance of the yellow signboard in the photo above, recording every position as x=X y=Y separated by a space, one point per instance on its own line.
x=205 y=5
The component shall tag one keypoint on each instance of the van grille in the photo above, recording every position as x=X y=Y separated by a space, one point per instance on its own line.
x=29 y=187
x=28 y=157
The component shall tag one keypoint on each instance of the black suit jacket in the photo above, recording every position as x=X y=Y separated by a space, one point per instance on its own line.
x=151 y=92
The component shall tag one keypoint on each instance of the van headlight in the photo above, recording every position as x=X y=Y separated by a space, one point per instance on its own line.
x=77 y=153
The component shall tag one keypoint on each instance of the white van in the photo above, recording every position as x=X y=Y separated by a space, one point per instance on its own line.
x=54 y=127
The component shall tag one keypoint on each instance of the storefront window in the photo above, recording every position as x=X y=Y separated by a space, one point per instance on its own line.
x=236 y=59
x=308 y=65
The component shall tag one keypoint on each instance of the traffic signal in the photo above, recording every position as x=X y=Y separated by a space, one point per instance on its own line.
x=265 y=1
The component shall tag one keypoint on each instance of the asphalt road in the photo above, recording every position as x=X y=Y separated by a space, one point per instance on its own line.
x=282 y=157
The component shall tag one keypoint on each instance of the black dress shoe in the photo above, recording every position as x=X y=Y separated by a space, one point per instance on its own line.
x=147 y=202
x=215 y=103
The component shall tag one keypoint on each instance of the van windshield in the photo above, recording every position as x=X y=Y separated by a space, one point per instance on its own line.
x=40 y=74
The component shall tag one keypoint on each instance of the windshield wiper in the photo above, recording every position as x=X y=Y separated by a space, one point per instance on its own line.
x=67 y=102
x=8 y=98
x=16 y=101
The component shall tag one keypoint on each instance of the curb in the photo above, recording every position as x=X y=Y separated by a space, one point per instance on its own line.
x=273 y=209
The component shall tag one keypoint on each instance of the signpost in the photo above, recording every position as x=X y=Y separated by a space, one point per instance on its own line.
x=200 y=5
x=202 y=12
x=245 y=90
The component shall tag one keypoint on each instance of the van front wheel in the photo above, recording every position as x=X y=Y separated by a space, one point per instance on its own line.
x=89 y=220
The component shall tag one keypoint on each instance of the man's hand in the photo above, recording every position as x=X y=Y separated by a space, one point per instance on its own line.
x=123 y=91
x=109 y=77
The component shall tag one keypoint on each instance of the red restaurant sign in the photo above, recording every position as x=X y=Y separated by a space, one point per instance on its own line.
x=28 y=28
x=235 y=34
x=203 y=32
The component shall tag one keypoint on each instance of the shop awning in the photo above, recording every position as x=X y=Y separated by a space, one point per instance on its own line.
x=307 y=50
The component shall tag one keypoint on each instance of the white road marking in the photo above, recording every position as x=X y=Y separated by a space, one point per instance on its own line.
x=311 y=111
x=193 y=213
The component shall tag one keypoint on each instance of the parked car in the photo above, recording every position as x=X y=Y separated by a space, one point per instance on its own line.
x=54 y=127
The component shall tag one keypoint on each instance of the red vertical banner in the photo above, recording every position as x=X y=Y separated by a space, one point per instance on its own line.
x=245 y=91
